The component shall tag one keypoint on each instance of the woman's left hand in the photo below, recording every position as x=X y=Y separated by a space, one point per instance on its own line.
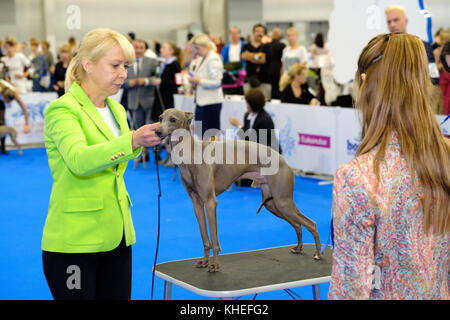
x=195 y=81
x=155 y=81
x=27 y=128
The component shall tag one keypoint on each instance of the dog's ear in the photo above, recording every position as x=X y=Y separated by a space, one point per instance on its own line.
x=189 y=116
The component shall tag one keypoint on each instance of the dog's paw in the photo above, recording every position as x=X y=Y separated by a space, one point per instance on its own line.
x=201 y=263
x=213 y=267
x=297 y=250
x=317 y=256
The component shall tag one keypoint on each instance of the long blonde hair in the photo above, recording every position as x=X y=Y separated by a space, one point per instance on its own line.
x=287 y=78
x=93 y=46
x=395 y=97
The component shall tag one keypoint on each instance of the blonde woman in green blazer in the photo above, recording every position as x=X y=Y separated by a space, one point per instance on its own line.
x=88 y=232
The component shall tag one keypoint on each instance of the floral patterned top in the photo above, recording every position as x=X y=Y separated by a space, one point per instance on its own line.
x=381 y=250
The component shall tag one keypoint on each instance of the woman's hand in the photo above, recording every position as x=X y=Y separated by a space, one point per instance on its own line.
x=155 y=81
x=314 y=102
x=235 y=121
x=195 y=81
x=27 y=128
x=145 y=136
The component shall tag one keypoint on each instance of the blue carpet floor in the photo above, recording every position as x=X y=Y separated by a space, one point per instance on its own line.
x=25 y=186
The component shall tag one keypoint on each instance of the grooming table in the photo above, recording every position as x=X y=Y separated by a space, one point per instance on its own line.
x=250 y=272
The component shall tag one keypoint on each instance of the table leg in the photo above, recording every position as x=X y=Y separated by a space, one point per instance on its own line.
x=167 y=290
x=316 y=291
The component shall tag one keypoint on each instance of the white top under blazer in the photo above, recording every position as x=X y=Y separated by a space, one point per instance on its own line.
x=210 y=71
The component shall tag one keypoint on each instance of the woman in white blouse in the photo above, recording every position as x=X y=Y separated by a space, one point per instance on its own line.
x=16 y=63
x=294 y=53
x=206 y=79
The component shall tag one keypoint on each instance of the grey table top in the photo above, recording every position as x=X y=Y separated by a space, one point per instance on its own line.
x=250 y=272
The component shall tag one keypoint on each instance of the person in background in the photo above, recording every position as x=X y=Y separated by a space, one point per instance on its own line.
x=319 y=50
x=233 y=64
x=397 y=21
x=165 y=82
x=48 y=56
x=141 y=92
x=73 y=46
x=149 y=53
x=391 y=204
x=258 y=58
x=257 y=118
x=294 y=88
x=294 y=53
x=157 y=46
x=444 y=36
x=206 y=81
x=276 y=49
x=445 y=76
x=16 y=64
x=9 y=93
x=259 y=121
x=2 y=49
x=89 y=228
x=218 y=42
x=231 y=52
x=320 y=54
x=23 y=48
x=38 y=68
x=59 y=76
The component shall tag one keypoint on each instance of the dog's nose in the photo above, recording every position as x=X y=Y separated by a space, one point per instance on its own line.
x=159 y=133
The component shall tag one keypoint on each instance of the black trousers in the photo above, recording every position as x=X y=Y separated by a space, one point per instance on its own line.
x=89 y=276
x=209 y=115
x=2 y=122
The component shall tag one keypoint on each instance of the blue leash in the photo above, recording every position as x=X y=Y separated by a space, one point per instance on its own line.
x=330 y=237
x=156 y=151
x=427 y=16
x=445 y=120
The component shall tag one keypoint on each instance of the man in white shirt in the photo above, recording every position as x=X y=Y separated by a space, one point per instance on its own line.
x=231 y=56
x=231 y=52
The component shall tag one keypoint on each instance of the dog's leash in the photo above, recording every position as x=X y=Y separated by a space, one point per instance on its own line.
x=330 y=237
x=156 y=151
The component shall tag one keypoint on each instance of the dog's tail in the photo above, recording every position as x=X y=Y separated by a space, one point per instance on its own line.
x=262 y=204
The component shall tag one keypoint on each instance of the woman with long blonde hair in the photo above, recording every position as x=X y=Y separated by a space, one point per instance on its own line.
x=391 y=204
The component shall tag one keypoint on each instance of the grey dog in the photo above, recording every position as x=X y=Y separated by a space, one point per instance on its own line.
x=7 y=130
x=204 y=180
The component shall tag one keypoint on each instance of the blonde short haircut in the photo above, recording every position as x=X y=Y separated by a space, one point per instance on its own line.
x=93 y=47
x=395 y=7
x=203 y=40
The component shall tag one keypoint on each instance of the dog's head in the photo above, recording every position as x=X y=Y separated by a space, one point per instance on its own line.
x=171 y=120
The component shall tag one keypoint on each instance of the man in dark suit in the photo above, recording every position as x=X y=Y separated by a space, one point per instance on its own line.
x=140 y=91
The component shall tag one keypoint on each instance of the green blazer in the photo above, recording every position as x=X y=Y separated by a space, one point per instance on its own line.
x=89 y=208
